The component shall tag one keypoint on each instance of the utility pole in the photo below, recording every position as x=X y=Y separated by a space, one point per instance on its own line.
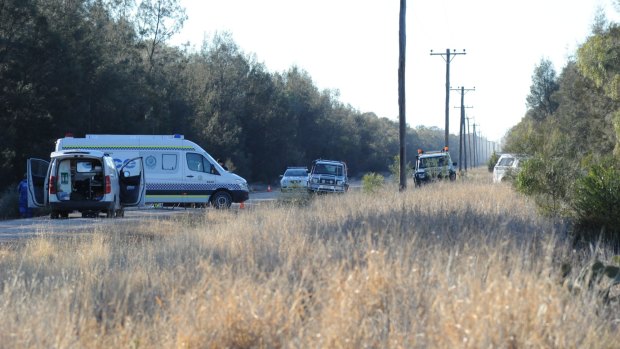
x=471 y=163
x=475 y=148
x=448 y=59
x=401 y=95
x=462 y=143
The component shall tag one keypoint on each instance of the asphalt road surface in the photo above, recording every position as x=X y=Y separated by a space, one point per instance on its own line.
x=18 y=229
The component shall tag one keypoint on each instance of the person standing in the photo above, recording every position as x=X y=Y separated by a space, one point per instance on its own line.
x=22 y=189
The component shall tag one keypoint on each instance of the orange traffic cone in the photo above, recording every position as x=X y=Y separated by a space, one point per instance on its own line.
x=241 y=205
x=269 y=188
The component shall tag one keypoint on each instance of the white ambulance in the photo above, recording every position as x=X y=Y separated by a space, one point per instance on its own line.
x=178 y=172
x=84 y=181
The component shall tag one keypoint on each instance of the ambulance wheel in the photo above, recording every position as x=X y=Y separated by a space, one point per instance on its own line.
x=54 y=215
x=110 y=214
x=221 y=199
x=120 y=213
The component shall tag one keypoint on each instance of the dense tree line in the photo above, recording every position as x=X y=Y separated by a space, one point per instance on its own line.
x=572 y=133
x=105 y=66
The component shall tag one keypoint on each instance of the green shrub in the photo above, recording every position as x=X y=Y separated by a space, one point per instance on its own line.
x=492 y=161
x=596 y=199
x=371 y=182
x=548 y=181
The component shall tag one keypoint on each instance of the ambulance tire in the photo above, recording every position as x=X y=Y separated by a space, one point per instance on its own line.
x=54 y=215
x=221 y=200
x=120 y=213
x=110 y=214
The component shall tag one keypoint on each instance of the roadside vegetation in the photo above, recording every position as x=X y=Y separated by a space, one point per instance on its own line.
x=571 y=133
x=465 y=264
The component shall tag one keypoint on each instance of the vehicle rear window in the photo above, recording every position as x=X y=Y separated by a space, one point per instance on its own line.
x=295 y=173
x=506 y=162
x=435 y=161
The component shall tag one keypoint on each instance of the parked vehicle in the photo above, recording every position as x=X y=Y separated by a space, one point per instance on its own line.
x=85 y=181
x=294 y=179
x=328 y=176
x=507 y=167
x=432 y=166
x=178 y=172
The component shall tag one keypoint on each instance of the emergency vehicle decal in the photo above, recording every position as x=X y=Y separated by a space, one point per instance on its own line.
x=187 y=188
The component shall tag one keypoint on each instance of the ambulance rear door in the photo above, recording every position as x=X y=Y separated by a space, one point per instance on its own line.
x=38 y=177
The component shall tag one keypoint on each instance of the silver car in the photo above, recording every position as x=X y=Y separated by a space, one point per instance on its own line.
x=294 y=179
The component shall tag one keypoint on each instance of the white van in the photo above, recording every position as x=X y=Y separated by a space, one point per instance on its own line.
x=178 y=172
x=85 y=181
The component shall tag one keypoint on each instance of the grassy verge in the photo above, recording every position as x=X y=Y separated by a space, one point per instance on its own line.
x=451 y=265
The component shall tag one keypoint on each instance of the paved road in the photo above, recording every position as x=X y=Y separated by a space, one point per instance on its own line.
x=17 y=229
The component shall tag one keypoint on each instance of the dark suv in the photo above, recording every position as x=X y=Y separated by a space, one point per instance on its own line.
x=434 y=165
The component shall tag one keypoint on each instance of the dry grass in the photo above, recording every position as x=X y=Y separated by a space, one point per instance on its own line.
x=461 y=265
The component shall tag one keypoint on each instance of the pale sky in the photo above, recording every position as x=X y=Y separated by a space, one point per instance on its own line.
x=352 y=46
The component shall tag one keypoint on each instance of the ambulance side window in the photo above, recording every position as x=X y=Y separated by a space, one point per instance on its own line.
x=169 y=162
x=197 y=162
x=194 y=162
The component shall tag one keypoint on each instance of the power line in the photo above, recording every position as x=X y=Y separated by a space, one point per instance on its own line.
x=462 y=143
x=448 y=58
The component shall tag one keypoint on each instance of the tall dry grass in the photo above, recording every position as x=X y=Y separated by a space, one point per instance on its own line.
x=460 y=265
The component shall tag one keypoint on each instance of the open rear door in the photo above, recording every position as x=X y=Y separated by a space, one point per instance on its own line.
x=37 y=172
x=132 y=184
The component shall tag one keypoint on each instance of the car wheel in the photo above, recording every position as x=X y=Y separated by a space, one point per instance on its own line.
x=453 y=176
x=221 y=199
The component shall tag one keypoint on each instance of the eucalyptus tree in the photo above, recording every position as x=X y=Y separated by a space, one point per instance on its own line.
x=157 y=22
x=544 y=84
x=598 y=59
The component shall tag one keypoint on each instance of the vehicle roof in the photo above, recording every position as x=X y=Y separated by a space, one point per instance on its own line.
x=128 y=142
x=335 y=162
x=86 y=153
x=434 y=154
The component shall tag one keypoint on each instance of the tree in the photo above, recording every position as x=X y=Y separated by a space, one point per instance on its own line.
x=157 y=21
x=544 y=84
x=599 y=60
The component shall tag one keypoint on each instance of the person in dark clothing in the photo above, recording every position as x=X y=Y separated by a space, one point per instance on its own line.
x=219 y=161
x=22 y=189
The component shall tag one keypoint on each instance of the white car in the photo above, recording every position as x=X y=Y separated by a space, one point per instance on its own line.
x=294 y=179
x=507 y=167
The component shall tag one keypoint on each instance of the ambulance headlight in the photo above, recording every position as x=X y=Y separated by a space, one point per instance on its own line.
x=243 y=184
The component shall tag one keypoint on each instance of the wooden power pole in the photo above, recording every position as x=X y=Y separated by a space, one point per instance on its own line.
x=401 y=95
x=448 y=58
